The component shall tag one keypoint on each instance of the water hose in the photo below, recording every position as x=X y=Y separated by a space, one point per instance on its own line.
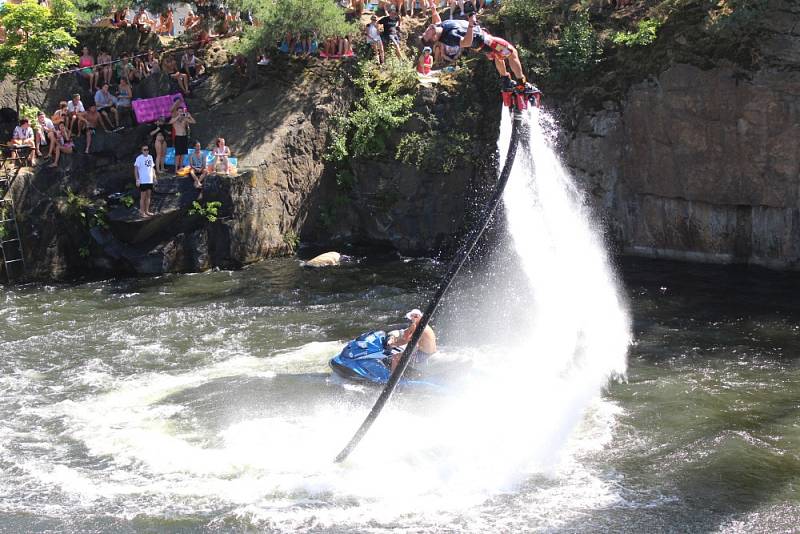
x=455 y=265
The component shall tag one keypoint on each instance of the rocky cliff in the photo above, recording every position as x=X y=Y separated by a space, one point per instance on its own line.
x=699 y=158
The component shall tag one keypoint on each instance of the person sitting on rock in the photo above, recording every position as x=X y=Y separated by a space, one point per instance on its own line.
x=24 y=142
x=166 y=22
x=221 y=155
x=45 y=135
x=197 y=167
x=191 y=64
x=64 y=144
x=93 y=120
x=107 y=107
x=425 y=61
x=458 y=34
x=143 y=22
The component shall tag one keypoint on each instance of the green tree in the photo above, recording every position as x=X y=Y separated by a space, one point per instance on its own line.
x=37 y=40
x=277 y=18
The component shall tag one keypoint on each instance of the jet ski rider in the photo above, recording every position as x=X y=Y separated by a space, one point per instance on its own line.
x=425 y=348
x=455 y=35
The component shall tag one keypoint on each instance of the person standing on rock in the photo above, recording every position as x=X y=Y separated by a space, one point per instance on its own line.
x=391 y=28
x=180 y=122
x=144 y=172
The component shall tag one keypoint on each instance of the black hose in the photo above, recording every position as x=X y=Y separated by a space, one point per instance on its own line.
x=458 y=260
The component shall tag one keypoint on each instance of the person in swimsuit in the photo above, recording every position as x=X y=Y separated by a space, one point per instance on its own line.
x=86 y=64
x=425 y=348
x=105 y=67
x=458 y=34
x=425 y=61
x=124 y=96
x=93 y=120
x=160 y=145
x=180 y=123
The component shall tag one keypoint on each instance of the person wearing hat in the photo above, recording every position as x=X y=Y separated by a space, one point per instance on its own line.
x=458 y=34
x=391 y=28
x=374 y=38
x=424 y=349
x=425 y=62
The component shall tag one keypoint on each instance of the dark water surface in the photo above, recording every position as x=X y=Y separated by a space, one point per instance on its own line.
x=194 y=403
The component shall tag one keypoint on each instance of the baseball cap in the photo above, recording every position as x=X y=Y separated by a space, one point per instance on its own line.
x=413 y=313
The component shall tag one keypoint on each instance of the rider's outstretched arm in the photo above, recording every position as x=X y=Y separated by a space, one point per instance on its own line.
x=466 y=41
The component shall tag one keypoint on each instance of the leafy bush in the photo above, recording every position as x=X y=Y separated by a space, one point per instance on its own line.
x=433 y=151
x=291 y=239
x=578 y=47
x=364 y=130
x=210 y=211
x=525 y=16
x=127 y=201
x=646 y=32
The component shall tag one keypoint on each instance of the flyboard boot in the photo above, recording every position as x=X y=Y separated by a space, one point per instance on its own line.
x=518 y=95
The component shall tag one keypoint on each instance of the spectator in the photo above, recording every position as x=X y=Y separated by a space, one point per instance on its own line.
x=124 y=97
x=374 y=38
x=105 y=67
x=166 y=23
x=170 y=66
x=358 y=7
x=120 y=18
x=75 y=114
x=221 y=154
x=64 y=143
x=425 y=61
x=151 y=63
x=93 y=119
x=197 y=167
x=391 y=27
x=126 y=69
x=45 y=134
x=61 y=114
x=160 y=145
x=143 y=22
x=408 y=6
x=24 y=142
x=145 y=176
x=86 y=64
x=191 y=65
x=460 y=4
x=107 y=106
x=180 y=123
x=192 y=22
x=287 y=45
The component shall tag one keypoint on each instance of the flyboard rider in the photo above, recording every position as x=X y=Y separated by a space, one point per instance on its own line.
x=456 y=35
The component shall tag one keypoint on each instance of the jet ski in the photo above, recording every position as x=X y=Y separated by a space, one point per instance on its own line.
x=367 y=359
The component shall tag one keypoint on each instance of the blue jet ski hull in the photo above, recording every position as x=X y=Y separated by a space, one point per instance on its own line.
x=365 y=360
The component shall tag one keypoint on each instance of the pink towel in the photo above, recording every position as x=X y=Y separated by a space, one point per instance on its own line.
x=151 y=109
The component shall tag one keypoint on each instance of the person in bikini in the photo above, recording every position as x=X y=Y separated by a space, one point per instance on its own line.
x=160 y=145
x=221 y=155
x=425 y=348
x=459 y=34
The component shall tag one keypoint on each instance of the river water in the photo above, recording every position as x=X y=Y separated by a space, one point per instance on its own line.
x=577 y=397
x=190 y=403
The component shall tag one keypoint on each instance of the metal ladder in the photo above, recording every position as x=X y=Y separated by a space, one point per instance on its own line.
x=10 y=238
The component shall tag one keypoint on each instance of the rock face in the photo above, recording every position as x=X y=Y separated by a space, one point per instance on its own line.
x=703 y=164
